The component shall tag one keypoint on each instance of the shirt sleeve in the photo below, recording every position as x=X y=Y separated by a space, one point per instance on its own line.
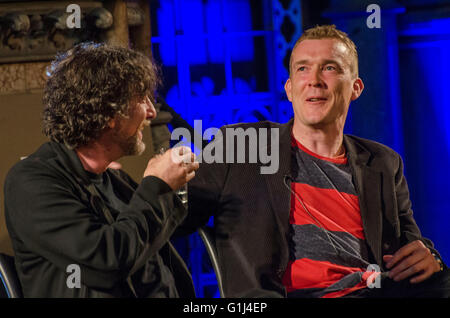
x=409 y=230
x=205 y=190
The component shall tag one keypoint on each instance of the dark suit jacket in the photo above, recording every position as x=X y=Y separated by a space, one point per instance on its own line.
x=251 y=211
x=54 y=220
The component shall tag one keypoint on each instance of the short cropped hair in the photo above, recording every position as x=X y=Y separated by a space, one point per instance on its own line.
x=330 y=32
x=91 y=84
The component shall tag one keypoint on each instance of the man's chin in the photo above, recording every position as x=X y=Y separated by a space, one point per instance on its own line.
x=133 y=147
x=318 y=121
x=314 y=123
x=138 y=149
x=141 y=149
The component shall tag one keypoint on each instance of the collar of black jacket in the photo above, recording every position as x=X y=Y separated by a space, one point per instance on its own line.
x=71 y=161
x=356 y=152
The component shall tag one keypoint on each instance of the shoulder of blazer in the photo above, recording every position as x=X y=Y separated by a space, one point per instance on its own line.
x=284 y=128
x=259 y=124
x=45 y=160
x=374 y=153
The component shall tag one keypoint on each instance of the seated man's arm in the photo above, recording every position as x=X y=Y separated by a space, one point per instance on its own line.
x=205 y=191
x=47 y=216
x=415 y=258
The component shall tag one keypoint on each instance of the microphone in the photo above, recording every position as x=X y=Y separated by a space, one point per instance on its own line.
x=287 y=178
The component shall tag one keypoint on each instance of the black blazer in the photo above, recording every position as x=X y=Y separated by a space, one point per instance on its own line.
x=251 y=211
x=55 y=219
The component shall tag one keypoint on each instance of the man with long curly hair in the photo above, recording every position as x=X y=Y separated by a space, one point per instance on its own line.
x=78 y=228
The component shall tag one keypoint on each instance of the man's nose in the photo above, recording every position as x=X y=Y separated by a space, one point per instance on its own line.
x=151 y=110
x=315 y=79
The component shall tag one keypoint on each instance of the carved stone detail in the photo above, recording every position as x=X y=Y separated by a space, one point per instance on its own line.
x=34 y=30
x=22 y=77
x=12 y=78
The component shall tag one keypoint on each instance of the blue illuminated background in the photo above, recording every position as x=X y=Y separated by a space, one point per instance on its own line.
x=224 y=61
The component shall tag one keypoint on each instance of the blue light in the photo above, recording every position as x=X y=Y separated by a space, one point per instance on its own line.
x=206 y=27
x=424 y=52
x=201 y=42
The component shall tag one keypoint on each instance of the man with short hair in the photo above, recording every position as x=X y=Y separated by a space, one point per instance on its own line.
x=337 y=209
x=65 y=209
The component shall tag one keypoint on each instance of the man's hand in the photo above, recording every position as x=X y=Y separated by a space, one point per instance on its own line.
x=175 y=167
x=412 y=259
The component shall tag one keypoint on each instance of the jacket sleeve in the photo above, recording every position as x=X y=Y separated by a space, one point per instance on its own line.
x=205 y=189
x=409 y=231
x=48 y=217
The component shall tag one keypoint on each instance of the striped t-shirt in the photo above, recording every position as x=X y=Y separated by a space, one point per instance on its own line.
x=328 y=251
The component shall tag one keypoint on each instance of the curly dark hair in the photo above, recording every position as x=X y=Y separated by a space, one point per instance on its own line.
x=89 y=85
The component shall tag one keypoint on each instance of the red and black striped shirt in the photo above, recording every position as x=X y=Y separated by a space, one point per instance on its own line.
x=328 y=251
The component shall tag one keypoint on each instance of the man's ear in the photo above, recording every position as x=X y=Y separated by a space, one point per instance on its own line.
x=358 y=87
x=288 y=89
x=112 y=123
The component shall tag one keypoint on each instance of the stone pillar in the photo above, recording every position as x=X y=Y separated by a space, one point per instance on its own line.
x=142 y=34
x=118 y=33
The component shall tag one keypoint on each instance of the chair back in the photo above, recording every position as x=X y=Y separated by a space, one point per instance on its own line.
x=10 y=281
x=207 y=237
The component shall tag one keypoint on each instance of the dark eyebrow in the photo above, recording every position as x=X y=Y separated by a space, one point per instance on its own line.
x=328 y=61
x=300 y=62
x=331 y=62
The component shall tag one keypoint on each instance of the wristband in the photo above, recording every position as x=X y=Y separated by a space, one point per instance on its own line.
x=438 y=259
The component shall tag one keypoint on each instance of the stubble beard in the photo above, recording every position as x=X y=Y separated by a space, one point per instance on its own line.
x=131 y=146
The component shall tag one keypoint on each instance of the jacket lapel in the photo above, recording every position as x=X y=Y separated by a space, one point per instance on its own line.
x=367 y=181
x=278 y=192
